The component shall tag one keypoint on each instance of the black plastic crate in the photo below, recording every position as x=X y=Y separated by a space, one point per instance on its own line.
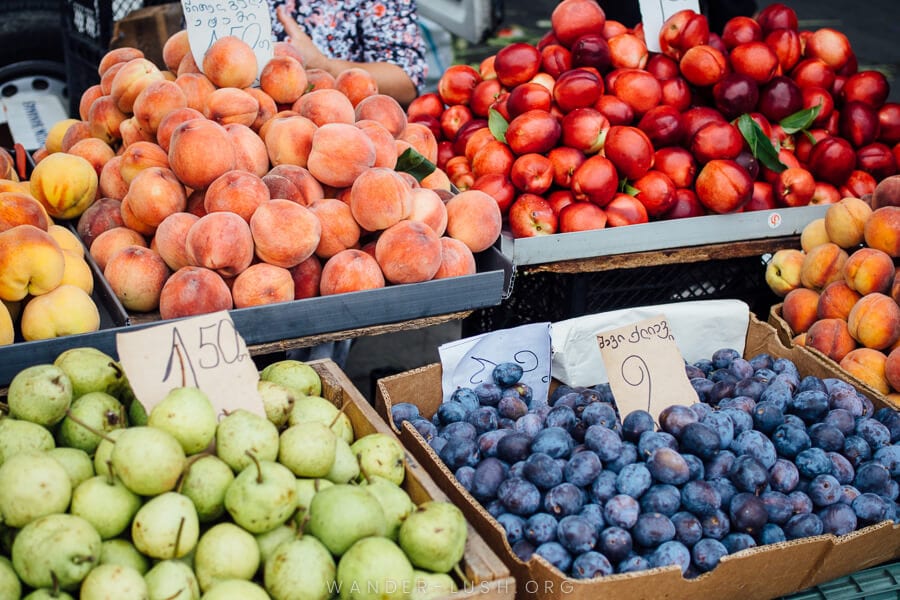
x=876 y=583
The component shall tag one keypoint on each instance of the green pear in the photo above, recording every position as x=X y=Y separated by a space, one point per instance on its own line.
x=394 y=500
x=300 y=568
x=307 y=449
x=40 y=394
x=90 y=370
x=166 y=526
x=295 y=375
x=137 y=413
x=262 y=496
x=278 y=400
x=103 y=454
x=242 y=432
x=90 y=416
x=270 y=540
x=113 y=581
x=171 y=580
x=342 y=514
x=205 y=482
x=374 y=568
x=427 y=586
x=345 y=468
x=225 y=552
x=105 y=502
x=188 y=414
x=434 y=536
x=120 y=551
x=56 y=550
x=316 y=408
x=22 y=436
x=76 y=462
x=45 y=594
x=10 y=587
x=236 y=589
x=32 y=485
x=306 y=490
x=380 y=454
x=149 y=461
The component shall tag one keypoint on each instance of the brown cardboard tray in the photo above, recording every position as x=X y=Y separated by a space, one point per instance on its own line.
x=761 y=572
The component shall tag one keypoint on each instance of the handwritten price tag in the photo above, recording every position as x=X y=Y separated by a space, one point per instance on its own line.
x=655 y=12
x=204 y=351
x=248 y=20
x=469 y=361
x=645 y=367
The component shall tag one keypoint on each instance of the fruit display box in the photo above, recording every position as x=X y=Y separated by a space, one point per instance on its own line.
x=762 y=572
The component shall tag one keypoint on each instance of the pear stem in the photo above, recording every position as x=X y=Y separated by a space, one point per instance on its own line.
x=110 y=475
x=301 y=526
x=187 y=467
x=462 y=576
x=94 y=430
x=259 y=477
x=178 y=537
x=338 y=415
x=117 y=368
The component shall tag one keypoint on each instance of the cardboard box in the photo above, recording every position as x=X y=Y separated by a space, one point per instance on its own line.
x=148 y=29
x=762 y=572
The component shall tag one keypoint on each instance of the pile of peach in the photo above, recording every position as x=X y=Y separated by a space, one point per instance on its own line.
x=841 y=290
x=215 y=191
x=588 y=129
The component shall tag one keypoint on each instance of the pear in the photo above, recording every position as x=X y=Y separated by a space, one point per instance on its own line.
x=90 y=416
x=120 y=551
x=278 y=400
x=56 y=550
x=295 y=375
x=10 y=587
x=137 y=414
x=20 y=436
x=342 y=514
x=225 y=552
x=171 y=580
x=307 y=449
x=105 y=502
x=434 y=536
x=345 y=468
x=262 y=496
x=32 y=485
x=45 y=594
x=427 y=586
x=270 y=540
x=103 y=454
x=236 y=589
x=306 y=490
x=188 y=414
x=316 y=408
x=166 y=526
x=374 y=568
x=90 y=370
x=148 y=460
x=300 y=568
x=242 y=432
x=76 y=462
x=40 y=394
x=394 y=500
x=380 y=454
x=204 y=482
x=113 y=581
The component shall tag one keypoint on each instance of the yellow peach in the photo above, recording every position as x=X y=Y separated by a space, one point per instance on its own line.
x=7 y=331
x=31 y=262
x=56 y=133
x=66 y=239
x=66 y=310
x=65 y=184
x=77 y=272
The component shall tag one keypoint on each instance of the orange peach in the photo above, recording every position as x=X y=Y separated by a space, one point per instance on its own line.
x=139 y=156
x=263 y=129
x=194 y=291
x=220 y=241
x=799 y=309
x=307 y=276
x=78 y=131
x=156 y=101
x=132 y=132
x=882 y=230
x=836 y=300
x=174 y=49
x=384 y=109
x=285 y=48
x=385 y=149
x=340 y=152
x=289 y=140
x=230 y=62
x=196 y=87
x=293 y=183
x=111 y=184
x=239 y=192
x=200 y=151
x=892 y=369
x=154 y=194
x=172 y=120
x=421 y=138
x=284 y=79
x=31 y=262
x=250 y=152
x=195 y=202
x=408 y=252
x=869 y=270
x=845 y=221
x=170 y=236
x=232 y=105
x=262 y=283
x=320 y=79
x=134 y=76
x=132 y=222
x=87 y=98
x=874 y=321
x=869 y=366
x=187 y=65
x=325 y=106
x=437 y=180
x=428 y=208
x=136 y=276
x=116 y=56
x=95 y=151
x=107 y=78
x=831 y=337
x=350 y=270
x=285 y=233
x=895 y=287
x=17 y=208
x=822 y=265
x=474 y=218
x=456 y=259
x=105 y=118
x=339 y=229
x=267 y=108
x=356 y=83
x=379 y=198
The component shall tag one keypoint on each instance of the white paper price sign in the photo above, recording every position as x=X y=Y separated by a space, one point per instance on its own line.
x=205 y=351
x=655 y=12
x=248 y=20
x=470 y=361
x=645 y=367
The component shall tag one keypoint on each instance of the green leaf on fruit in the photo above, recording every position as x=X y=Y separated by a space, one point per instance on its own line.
x=800 y=120
x=412 y=162
x=498 y=125
x=760 y=145
x=812 y=139
x=624 y=188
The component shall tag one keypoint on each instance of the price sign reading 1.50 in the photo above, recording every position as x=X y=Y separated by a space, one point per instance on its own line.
x=219 y=344
x=248 y=20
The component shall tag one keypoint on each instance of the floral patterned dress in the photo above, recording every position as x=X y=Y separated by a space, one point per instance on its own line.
x=362 y=31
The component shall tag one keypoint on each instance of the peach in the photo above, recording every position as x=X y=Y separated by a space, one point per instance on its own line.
x=822 y=265
x=199 y=152
x=154 y=194
x=221 y=241
x=874 y=321
x=340 y=152
x=195 y=202
x=869 y=270
x=111 y=240
x=307 y=276
x=194 y=291
x=17 y=208
x=140 y=156
x=262 y=283
x=422 y=139
x=892 y=369
x=95 y=151
x=134 y=76
x=831 y=337
x=132 y=222
x=285 y=48
x=384 y=109
x=65 y=310
x=31 y=262
x=783 y=270
x=111 y=184
x=456 y=259
x=239 y=192
x=799 y=309
x=136 y=276
x=474 y=218
x=172 y=120
x=79 y=130
x=385 y=149
x=379 y=198
x=107 y=78
x=356 y=83
x=103 y=214
x=289 y=140
x=836 y=300
x=882 y=230
x=232 y=105
x=170 y=236
x=281 y=114
x=104 y=117
x=869 y=366
x=429 y=208
x=294 y=183
x=116 y=56
x=174 y=49
x=320 y=79
x=339 y=229
x=196 y=87
x=87 y=98
x=64 y=184
x=250 y=152
x=285 y=233
x=845 y=221
x=77 y=272
x=187 y=65
x=408 y=252
x=284 y=79
x=7 y=328
x=230 y=62
x=350 y=270
x=66 y=238
x=156 y=101
x=437 y=180
x=132 y=132
x=325 y=106
x=267 y=108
